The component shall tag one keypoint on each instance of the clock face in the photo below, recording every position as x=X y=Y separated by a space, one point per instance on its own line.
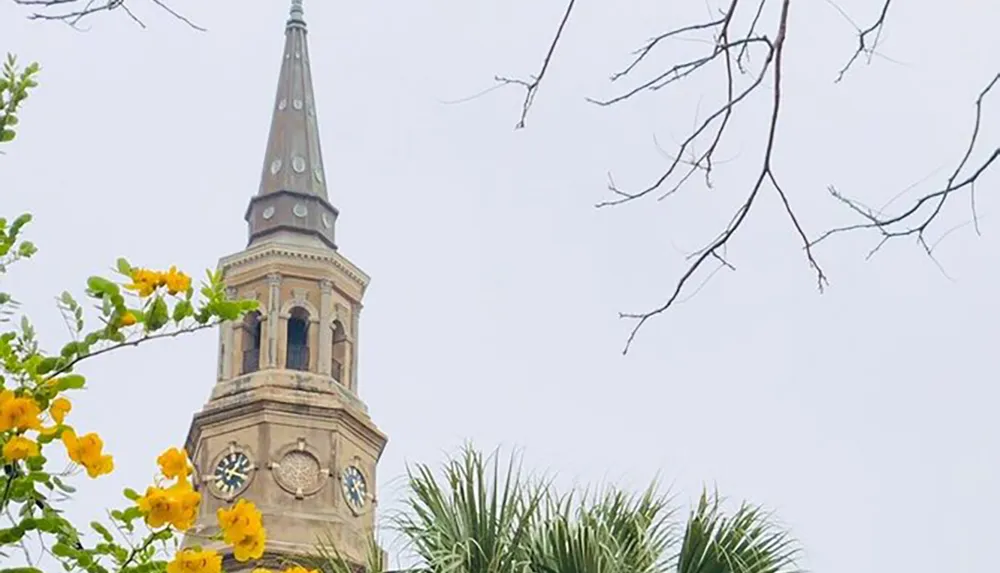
x=232 y=472
x=355 y=488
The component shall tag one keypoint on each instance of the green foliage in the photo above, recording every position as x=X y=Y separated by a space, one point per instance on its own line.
x=34 y=383
x=479 y=520
x=14 y=86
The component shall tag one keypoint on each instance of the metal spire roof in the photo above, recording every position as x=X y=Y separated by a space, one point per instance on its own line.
x=292 y=194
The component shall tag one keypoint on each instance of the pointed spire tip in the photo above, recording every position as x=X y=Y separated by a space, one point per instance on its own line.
x=295 y=13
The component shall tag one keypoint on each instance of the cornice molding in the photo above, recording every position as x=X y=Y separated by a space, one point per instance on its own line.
x=273 y=250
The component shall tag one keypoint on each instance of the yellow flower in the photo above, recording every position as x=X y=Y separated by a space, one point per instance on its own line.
x=19 y=448
x=176 y=281
x=261 y=570
x=176 y=505
x=188 y=500
x=191 y=561
x=250 y=547
x=87 y=451
x=145 y=281
x=243 y=528
x=18 y=413
x=158 y=506
x=128 y=319
x=300 y=569
x=174 y=463
x=59 y=408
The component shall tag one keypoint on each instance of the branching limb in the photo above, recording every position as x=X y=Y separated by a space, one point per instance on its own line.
x=72 y=12
x=915 y=220
x=531 y=86
x=744 y=28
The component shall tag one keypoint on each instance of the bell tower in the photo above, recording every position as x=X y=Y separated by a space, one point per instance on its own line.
x=283 y=426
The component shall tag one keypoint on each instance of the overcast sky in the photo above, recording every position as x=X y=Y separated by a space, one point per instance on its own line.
x=864 y=417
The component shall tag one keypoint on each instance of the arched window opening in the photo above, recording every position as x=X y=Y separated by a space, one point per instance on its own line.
x=297 y=347
x=339 y=353
x=251 y=342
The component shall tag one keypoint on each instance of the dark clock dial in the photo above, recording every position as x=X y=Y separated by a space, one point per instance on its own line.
x=355 y=488
x=232 y=472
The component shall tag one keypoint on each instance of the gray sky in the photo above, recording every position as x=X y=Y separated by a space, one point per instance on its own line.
x=864 y=417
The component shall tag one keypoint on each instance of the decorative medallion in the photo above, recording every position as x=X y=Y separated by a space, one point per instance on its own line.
x=298 y=164
x=282 y=104
x=232 y=473
x=275 y=166
x=300 y=210
x=299 y=473
x=354 y=488
x=297 y=103
x=326 y=221
x=268 y=212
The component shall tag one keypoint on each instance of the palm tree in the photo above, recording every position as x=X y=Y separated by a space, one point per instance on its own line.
x=478 y=519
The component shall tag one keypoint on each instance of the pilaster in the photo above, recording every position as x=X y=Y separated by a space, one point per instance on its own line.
x=325 y=332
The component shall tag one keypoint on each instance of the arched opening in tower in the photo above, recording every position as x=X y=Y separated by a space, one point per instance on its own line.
x=251 y=342
x=297 y=347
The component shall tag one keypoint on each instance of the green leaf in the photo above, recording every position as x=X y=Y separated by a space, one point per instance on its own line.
x=7 y=135
x=158 y=315
x=123 y=267
x=131 y=494
x=62 y=485
x=70 y=382
x=47 y=364
x=103 y=531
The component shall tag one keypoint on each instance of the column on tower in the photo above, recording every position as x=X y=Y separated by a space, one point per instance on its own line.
x=325 y=332
x=273 y=318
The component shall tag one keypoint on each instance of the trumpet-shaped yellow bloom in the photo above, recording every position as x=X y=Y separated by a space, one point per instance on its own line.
x=176 y=505
x=128 y=319
x=243 y=527
x=176 y=281
x=250 y=547
x=145 y=281
x=18 y=413
x=19 y=448
x=59 y=408
x=190 y=561
x=87 y=451
x=300 y=569
x=174 y=464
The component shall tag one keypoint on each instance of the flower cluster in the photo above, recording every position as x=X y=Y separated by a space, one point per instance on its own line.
x=146 y=281
x=20 y=414
x=243 y=528
x=175 y=504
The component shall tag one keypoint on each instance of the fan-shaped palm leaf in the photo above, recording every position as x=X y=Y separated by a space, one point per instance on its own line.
x=473 y=522
x=746 y=542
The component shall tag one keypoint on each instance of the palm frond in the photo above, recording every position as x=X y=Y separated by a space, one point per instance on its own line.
x=746 y=542
x=474 y=520
x=326 y=558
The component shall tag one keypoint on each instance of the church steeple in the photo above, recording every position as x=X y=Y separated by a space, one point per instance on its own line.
x=292 y=202
x=284 y=425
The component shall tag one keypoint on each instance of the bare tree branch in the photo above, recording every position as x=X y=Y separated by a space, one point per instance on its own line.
x=730 y=54
x=531 y=86
x=71 y=12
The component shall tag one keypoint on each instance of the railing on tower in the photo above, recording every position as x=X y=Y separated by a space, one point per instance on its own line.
x=298 y=357
x=251 y=360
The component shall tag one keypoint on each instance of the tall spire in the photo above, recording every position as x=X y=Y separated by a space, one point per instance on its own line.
x=292 y=195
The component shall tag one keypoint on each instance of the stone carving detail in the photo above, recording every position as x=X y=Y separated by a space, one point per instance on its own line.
x=299 y=472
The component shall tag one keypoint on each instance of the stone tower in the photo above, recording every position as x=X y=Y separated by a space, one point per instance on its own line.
x=283 y=426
